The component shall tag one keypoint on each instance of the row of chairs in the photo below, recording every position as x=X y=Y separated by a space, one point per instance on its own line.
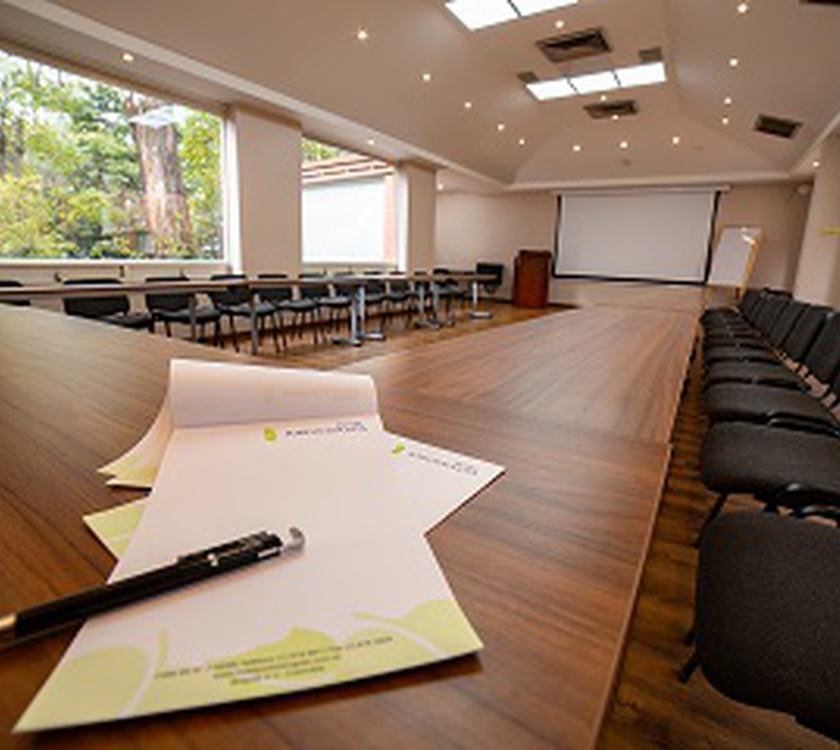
x=316 y=306
x=767 y=627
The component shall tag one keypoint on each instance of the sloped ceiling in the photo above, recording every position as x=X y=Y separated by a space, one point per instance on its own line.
x=304 y=60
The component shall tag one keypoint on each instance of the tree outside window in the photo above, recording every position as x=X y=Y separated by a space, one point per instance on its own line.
x=91 y=170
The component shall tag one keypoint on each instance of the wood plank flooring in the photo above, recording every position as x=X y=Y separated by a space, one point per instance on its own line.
x=651 y=709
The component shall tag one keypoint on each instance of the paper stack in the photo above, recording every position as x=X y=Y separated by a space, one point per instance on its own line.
x=239 y=449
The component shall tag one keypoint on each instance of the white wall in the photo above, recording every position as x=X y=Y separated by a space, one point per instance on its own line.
x=492 y=228
x=780 y=211
x=818 y=275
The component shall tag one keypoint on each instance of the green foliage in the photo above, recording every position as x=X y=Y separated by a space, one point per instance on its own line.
x=315 y=151
x=70 y=177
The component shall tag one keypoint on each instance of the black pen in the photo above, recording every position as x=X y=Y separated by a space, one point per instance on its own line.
x=187 y=569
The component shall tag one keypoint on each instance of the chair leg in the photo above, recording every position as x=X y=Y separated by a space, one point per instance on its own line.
x=234 y=333
x=690 y=666
x=713 y=513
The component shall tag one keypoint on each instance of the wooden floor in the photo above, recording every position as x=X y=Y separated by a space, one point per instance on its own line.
x=651 y=708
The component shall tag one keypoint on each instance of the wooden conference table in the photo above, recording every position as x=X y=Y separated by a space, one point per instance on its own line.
x=546 y=562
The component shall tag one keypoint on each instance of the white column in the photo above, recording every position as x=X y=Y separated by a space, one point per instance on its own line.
x=416 y=206
x=818 y=272
x=264 y=207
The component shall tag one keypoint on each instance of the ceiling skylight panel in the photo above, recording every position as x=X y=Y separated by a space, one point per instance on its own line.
x=641 y=75
x=530 y=7
x=592 y=83
x=559 y=88
x=478 y=14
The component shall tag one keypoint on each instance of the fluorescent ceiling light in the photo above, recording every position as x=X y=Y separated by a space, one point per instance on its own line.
x=559 y=88
x=530 y=7
x=641 y=75
x=594 y=82
x=477 y=14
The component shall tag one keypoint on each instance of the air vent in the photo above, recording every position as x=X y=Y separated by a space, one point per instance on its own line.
x=650 y=55
x=619 y=108
x=561 y=49
x=777 y=126
x=527 y=76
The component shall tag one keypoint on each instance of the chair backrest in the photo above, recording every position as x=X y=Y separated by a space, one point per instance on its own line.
x=769 y=313
x=491 y=269
x=784 y=323
x=375 y=286
x=768 y=614
x=805 y=331
x=344 y=288
x=314 y=291
x=399 y=286
x=168 y=301
x=748 y=301
x=8 y=284
x=823 y=358
x=276 y=294
x=234 y=295
x=95 y=307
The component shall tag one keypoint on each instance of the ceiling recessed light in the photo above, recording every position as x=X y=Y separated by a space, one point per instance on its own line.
x=371 y=142
x=614 y=118
x=743 y=8
x=604 y=97
x=440 y=186
x=559 y=88
x=467 y=105
x=559 y=24
x=576 y=148
x=816 y=164
x=362 y=35
x=624 y=144
x=676 y=140
x=427 y=77
x=521 y=141
x=727 y=101
x=725 y=121
x=127 y=57
x=733 y=62
x=500 y=127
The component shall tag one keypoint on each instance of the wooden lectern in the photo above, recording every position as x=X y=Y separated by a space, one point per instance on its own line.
x=530 y=278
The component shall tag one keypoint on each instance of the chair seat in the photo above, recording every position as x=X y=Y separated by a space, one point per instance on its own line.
x=738 y=354
x=243 y=310
x=334 y=302
x=203 y=315
x=735 y=402
x=134 y=320
x=753 y=372
x=763 y=461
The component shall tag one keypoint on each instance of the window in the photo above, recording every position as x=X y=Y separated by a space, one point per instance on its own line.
x=92 y=170
x=348 y=207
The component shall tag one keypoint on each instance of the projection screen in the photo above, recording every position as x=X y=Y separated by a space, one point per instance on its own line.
x=652 y=235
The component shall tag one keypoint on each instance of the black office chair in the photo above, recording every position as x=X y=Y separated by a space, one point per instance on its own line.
x=282 y=299
x=174 y=307
x=10 y=284
x=399 y=298
x=110 y=308
x=235 y=302
x=497 y=270
x=768 y=615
